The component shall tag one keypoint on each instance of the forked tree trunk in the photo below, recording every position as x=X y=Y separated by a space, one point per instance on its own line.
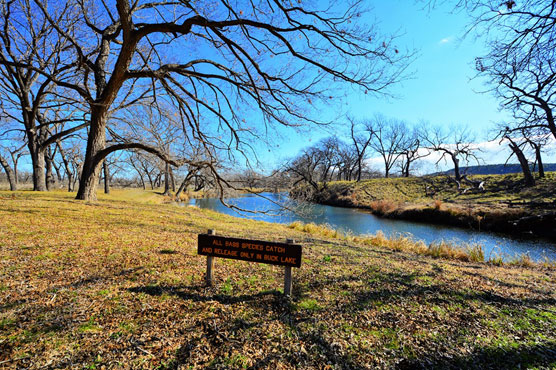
x=9 y=173
x=529 y=179
x=15 y=159
x=405 y=167
x=67 y=168
x=539 y=160
x=359 y=167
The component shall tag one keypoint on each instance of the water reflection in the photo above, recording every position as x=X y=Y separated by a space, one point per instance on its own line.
x=360 y=222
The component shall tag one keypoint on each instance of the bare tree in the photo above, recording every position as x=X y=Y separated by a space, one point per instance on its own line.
x=145 y=165
x=389 y=136
x=520 y=67
x=411 y=151
x=303 y=168
x=9 y=173
x=360 y=142
x=517 y=150
x=269 y=56
x=11 y=151
x=455 y=143
x=29 y=63
x=536 y=138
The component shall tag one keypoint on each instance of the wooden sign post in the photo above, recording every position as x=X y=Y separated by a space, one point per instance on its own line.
x=282 y=254
x=210 y=263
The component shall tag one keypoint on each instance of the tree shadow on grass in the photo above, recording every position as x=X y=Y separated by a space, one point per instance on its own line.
x=226 y=334
x=401 y=286
x=192 y=293
x=271 y=306
x=523 y=357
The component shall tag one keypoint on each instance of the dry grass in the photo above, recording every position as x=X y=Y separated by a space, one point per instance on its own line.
x=438 y=204
x=118 y=284
x=384 y=206
x=504 y=202
x=443 y=249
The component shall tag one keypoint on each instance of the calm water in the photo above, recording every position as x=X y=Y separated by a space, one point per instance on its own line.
x=360 y=222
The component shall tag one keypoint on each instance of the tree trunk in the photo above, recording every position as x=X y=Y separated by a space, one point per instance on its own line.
x=49 y=174
x=405 y=167
x=9 y=173
x=59 y=175
x=70 y=182
x=67 y=168
x=456 y=168
x=37 y=158
x=539 y=161
x=15 y=159
x=106 y=178
x=529 y=179
x=167 y=179
x=182 y=186
x=158 y=180
x=91 y=166
x=173 y=179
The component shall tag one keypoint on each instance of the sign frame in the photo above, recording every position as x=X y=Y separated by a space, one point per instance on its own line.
x=286 y=254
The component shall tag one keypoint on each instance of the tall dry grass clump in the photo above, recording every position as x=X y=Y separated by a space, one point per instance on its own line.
x=444 y=249
x=406 y=242
x=523 y=260
x=476 y=253
x=383 y=206
x=399 y=242
x=314 y=229
x=437 y=204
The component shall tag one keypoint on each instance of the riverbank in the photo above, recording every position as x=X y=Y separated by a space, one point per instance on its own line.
x=504 y=206
x=118 y=283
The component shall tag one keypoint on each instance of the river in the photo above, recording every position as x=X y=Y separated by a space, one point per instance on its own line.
x=361 y=222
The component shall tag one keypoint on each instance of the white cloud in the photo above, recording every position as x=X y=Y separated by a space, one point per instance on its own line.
x=445 y=40
x=491 y=152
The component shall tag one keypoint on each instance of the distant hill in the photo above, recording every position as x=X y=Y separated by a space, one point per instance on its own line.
x=494 y=169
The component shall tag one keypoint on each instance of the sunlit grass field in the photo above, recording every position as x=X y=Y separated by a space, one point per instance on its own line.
x=118 y=284
x=498 y=188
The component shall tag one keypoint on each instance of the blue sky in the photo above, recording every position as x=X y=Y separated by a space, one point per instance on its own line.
x=441 y=88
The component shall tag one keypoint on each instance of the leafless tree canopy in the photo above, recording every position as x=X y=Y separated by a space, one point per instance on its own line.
x=230 y=70
x=455 y=143
x=521 y=65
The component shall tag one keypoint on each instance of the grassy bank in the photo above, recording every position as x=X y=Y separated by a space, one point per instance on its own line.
x=118 y=283
x=505 y=205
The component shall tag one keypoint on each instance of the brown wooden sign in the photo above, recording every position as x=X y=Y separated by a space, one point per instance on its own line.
x=281 y=254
